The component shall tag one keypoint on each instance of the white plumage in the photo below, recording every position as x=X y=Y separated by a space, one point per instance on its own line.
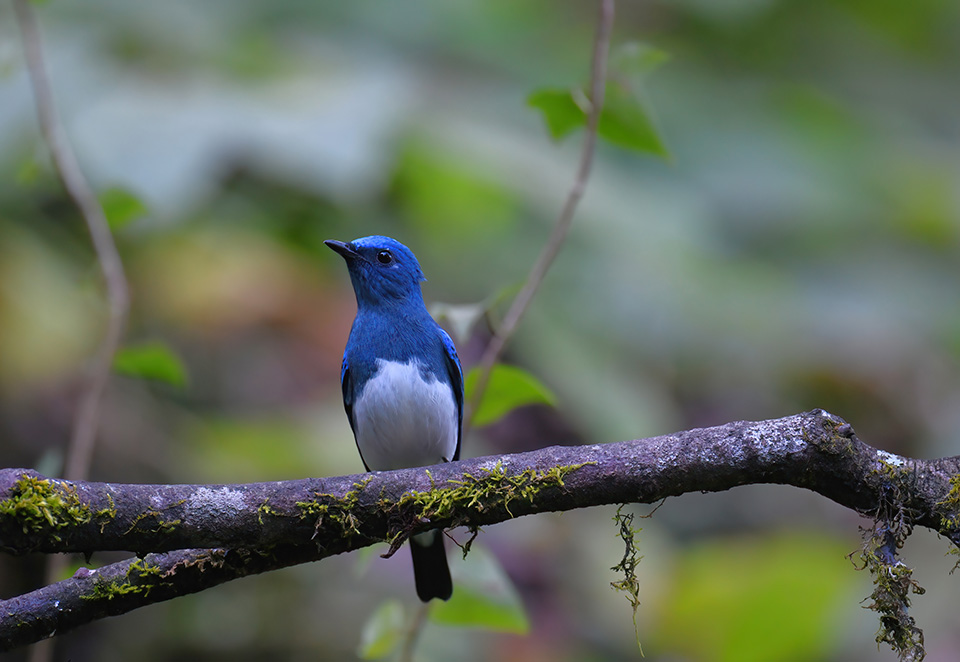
x=403 y=420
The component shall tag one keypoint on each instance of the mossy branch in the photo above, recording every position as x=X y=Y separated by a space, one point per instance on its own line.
x=192 y=537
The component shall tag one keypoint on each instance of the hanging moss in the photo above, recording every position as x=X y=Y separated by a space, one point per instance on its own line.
x=893 y=580
x=629 y=586
x=950 y=507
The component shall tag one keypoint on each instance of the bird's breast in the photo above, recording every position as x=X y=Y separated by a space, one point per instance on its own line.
x=405 y=417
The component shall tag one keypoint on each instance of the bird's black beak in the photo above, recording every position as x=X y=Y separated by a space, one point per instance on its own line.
x=345 y=249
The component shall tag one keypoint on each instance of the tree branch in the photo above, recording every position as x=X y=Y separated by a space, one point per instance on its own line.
x=252 y=528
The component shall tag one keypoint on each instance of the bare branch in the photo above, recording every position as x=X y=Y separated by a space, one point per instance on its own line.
x=502 y=335
x=252 y=528
x=122 y=587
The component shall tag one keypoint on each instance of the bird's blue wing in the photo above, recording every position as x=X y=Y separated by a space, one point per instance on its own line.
x=348 y=386
x=455 y=373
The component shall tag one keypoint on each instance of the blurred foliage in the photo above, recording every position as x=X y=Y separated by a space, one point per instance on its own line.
x=384 y=632
x=247 y=449
x=151 y=361
x=432 y=187
x=800 y=249
x=121 y=207
x=485 y=598
x=772 y=598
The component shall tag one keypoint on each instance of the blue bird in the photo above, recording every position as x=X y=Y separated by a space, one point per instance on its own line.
x=402 y=382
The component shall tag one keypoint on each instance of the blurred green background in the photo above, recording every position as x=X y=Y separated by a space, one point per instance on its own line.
x=800 y=248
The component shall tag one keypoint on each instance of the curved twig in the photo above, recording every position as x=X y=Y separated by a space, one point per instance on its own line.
x=78 y=189
x=506 y=329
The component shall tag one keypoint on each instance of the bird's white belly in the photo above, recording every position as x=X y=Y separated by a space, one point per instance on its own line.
x=404 y=421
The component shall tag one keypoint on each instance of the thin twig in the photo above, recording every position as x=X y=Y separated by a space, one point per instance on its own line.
x=598 y=74
x=78 y=189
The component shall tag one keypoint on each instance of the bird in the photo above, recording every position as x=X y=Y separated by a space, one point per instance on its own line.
x=402 y=382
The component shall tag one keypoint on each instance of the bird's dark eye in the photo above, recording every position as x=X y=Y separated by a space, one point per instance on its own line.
x=384 y=257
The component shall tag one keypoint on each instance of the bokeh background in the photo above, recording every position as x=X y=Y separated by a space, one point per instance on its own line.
x=800 y=248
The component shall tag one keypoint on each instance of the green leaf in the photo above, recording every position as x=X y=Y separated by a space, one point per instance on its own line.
x=483 y=597
x=560 y=111
x=509 y=387
x=121 y=207
x=151 y=361
x=625 y=122
x=382 y=632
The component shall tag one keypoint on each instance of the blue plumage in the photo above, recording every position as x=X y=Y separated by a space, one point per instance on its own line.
x=402 y=382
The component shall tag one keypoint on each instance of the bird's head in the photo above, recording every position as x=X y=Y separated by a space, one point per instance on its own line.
x=382 y=269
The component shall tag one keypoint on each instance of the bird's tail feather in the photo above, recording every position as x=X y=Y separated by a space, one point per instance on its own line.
x=430 y=570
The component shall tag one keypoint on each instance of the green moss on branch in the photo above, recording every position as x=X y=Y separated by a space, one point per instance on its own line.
x=40 y=507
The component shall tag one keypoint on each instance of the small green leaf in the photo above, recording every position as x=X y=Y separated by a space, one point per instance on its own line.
x=151 y=361
x=625 y=122
x=121 y=207
x=509 y=387
x=483 y=597
x=560 y=111
x=382 y=632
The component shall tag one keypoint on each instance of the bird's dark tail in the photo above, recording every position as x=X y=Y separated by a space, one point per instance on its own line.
x=430 y=570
